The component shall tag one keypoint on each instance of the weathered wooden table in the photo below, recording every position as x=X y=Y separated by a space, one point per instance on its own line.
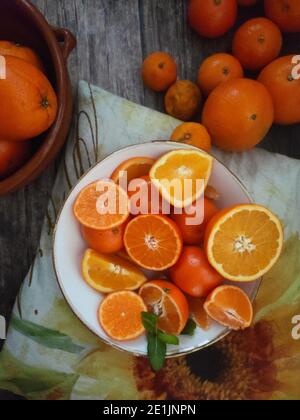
x=113 y=38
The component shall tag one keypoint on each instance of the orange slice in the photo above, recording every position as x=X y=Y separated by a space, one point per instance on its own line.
x=179 y=174
x=120 y=315
x=135 y=168
x=166 y=300
x=231 y=307
x=102 y=205
x=110 y=273
x=198 y=313
x=153 y=242
x=244 y=242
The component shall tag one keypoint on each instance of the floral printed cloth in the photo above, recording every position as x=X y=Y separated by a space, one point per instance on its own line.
x=49 y=354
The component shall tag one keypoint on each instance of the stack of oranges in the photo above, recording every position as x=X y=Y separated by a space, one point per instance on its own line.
x=156 y=261
x=28 y=104
x=237 y=112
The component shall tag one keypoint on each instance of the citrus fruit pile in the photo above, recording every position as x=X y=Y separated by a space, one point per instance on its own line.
x=30 y=104
x=237 y=96
x=157 y=270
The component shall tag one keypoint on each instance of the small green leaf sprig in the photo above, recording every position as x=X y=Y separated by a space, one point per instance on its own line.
x=158 y=340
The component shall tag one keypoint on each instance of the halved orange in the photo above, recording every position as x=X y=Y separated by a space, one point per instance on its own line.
x=153 y=241
x=198 y=313
x=120 y=315
x=102 y=205
x=135 y=168
x=110 y=273
x=244 y=242
x=231 y=307
x=166 y=300
x=182 y=176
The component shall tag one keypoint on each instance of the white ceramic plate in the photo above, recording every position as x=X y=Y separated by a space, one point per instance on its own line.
x=69 y=248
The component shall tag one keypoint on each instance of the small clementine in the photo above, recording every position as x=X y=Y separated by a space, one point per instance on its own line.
x=105 y=241
x=216 y=69
x=194 y=134
x=284 y=88
x=285 y=13
x=193 y=234
x=193 y=274
x=183 y=100
x=212 y=18
x=256 y=43
x=159 y=71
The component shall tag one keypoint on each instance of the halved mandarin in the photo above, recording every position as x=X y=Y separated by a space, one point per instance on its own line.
x=102 y=205
x=168 y=302
x=134 y=167
x=181 y=176
x=110 y=273
x=198 y=313
x=153 y=242
x=231 y=307
x=120 y=315
x=244 y=242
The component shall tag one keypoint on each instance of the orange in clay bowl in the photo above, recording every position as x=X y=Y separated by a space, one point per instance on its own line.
x=22 y=23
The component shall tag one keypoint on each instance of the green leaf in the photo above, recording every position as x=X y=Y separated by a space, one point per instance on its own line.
x=168 y=338
x=150 y=322
x=32 y=382
x=157 y=351
x=46 y=337
x=190 y=327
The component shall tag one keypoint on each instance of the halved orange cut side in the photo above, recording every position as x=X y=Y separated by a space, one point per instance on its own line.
x=134 y=167
x=153 y=242
x=110 y=273
x=244 y=242
x=120 y=315
x=231 y=307
x=168 y=302
x=102 y=205
x=182 y=176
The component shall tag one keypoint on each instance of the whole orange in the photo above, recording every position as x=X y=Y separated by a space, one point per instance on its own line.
x=193 y=274
x=256 y=43
x=183 y=100
x=105 y=241
x=12 y=156
x=193 y=234
x=284 y=89
x=143 y=187
x=194 y=134
x=238 y=114
x=285 y=13
x=159 y=71
x=20 y=51
x=216 y=69
x=29 y=103
x=212 y=18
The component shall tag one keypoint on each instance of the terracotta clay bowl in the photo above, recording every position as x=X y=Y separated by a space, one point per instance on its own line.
x=21 y=22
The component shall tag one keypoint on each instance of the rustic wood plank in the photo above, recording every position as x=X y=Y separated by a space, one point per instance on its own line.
x=113 y=38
